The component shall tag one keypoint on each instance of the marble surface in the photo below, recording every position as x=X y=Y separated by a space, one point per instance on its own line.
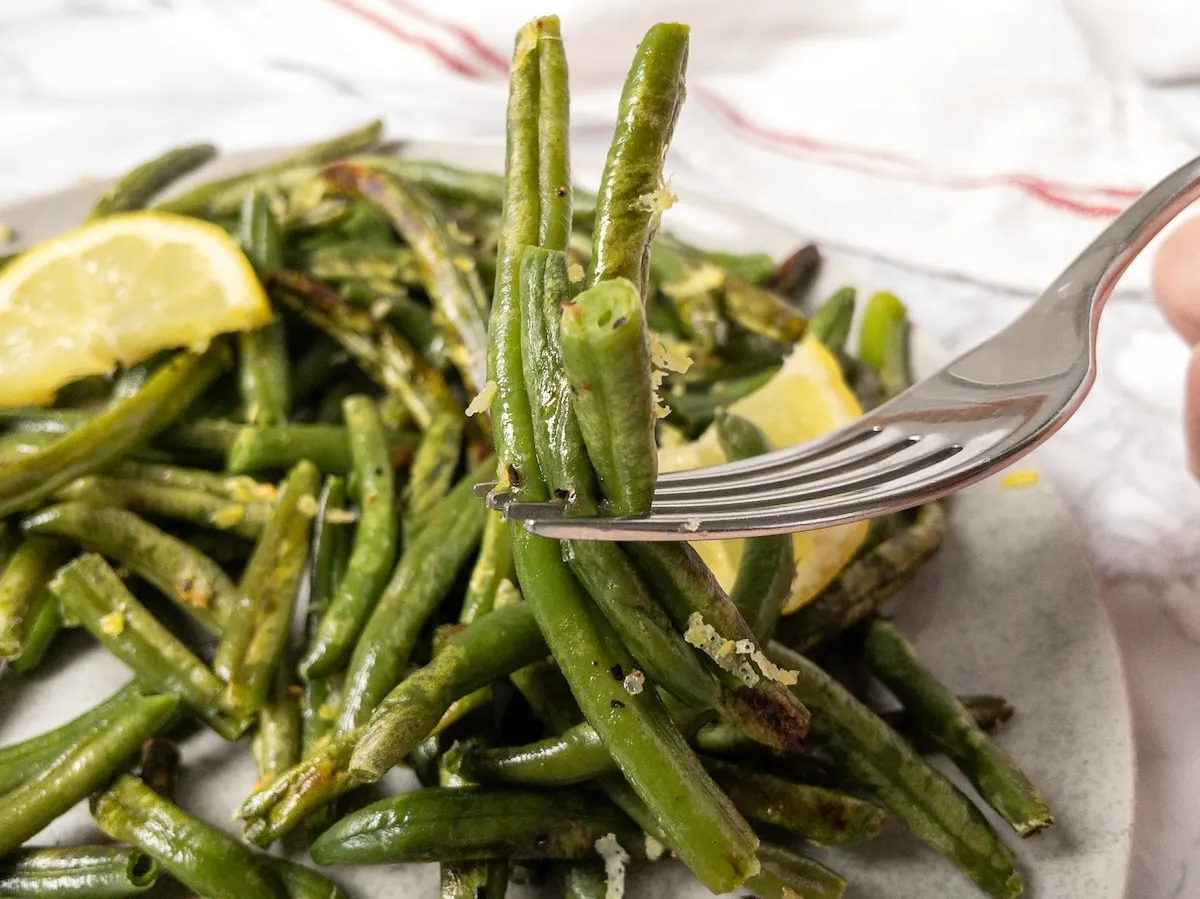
x=88 y=87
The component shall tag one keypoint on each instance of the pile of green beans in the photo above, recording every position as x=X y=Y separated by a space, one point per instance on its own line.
x=435 y=328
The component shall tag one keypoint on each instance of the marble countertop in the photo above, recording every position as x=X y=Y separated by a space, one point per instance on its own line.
x=88 y=87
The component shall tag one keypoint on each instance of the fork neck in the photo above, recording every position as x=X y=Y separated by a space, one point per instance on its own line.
x=1056 y=335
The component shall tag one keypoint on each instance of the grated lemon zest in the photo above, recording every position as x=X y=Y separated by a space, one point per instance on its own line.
x=1017 y=480
x=483 y=400
x=112 y=624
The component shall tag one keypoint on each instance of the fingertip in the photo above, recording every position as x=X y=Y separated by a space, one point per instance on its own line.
x=1191 y=412
x=1175 y=275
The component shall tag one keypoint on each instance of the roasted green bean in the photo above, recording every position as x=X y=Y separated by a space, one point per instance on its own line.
x=374 y=550
x=83 y=767
x=472 y=823
x=256 y=632
x=91 y=594
x=183 y=574
x=138 y=187
x=940 y=716
x=632 y=193
x=198 y=855
x=22 y=588
x=111 y=433
x=91 y=872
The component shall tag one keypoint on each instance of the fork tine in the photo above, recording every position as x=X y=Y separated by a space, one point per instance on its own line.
x=806 y=514
x=928 y=451
x=880 y=444
x=862 y=430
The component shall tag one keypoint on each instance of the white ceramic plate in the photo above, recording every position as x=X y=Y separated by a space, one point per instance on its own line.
x=1008 y=606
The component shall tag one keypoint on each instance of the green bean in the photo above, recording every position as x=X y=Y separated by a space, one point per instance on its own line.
x=112 y=432
x=921 y=798
x=447 y=272
x=765 y=572
x=326 y=446
x=602 y=568
x=475 y=880
x=208 y=510
x=494 y=646
x=158 y=766
x=255 y=635
x=84 y=766
x=559 y=445
x=302 y=882
x=263 y=377
x=688 y=591
x=987 y=711
x=374 y=549
x=375 y=345
x=631 y=196
x=817 y=814
x=330 y=554
x=23 y=760
x=424 y=574
x=692 y=290
x=276 y=742
x=91 y=594
x=761 y=311
x=883 y=343
x=225 y=195
x=647 y=746
x=756 y=269
x=650 y=750
x=41 y=629
x=433 y=466
x=465 y=879
x=793 y=876
x=519 y=229
x=606 y=354
x=831 y=323
x=329 y=410
x=699 y=409
x=863 y=585
x=792 y=277
x=940 y=716
x=240 y=488
x=95 y=872
x=187 y=577
x=472 y=823
x=198 y=855
x=575 y=756
x=138 y=187
x=553 y=156
x=22 y=589
x=493 y=565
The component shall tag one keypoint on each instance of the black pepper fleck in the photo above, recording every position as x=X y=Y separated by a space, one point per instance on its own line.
x=616 y=672
x=617 y=704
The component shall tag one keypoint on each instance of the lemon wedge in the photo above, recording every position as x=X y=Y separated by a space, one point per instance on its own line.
x=807 y=398
x=117 y=291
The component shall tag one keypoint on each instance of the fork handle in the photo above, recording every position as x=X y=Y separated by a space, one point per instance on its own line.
x=1070 y=307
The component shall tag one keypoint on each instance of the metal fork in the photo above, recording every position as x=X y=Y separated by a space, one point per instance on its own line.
x=976 y=416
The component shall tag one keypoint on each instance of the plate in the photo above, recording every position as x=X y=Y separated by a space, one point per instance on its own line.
x=1008 y=606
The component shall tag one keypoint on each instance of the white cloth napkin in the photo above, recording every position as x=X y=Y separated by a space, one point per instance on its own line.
x=989 y=139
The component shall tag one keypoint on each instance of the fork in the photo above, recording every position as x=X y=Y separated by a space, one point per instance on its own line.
x=977 y=415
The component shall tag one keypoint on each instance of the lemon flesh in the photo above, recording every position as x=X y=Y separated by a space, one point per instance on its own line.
x=808 y=397
x=116 y=291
